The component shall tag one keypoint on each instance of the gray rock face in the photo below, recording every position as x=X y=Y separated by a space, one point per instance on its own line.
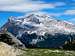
x=10 y=40
x=40 y=31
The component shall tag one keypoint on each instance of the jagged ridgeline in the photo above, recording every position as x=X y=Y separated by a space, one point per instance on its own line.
x=41 y=31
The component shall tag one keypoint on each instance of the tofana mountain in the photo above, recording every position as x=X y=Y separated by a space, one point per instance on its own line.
x=40 y=30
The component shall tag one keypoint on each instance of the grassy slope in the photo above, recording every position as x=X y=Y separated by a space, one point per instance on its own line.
x=47 y=52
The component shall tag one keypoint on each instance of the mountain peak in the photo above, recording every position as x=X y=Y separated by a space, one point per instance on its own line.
x=35 y=28
x=32 y=17
x=40 y=24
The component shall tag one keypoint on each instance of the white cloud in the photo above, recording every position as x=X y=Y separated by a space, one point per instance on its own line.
x=10 y=2
x=70 y=12
x=23 y=5
x=26 y=5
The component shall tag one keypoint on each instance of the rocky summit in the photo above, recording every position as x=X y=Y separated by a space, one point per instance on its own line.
x=40 y=30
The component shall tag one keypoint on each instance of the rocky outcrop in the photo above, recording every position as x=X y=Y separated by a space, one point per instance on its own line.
x=69 y=45
x=6 y=50
x=8 y=38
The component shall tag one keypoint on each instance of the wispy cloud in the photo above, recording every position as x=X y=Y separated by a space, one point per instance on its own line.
x=10 y=2
x=21 y=5
x=70 y=12
x=26 y=5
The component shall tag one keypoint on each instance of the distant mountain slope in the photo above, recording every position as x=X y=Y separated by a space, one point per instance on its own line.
x=40 y=30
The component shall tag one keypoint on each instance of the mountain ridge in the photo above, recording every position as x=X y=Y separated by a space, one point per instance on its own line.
x=39 y=21
x=35 y=30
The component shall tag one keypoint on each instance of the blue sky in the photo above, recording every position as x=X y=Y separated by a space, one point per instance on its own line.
x=60 y=9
